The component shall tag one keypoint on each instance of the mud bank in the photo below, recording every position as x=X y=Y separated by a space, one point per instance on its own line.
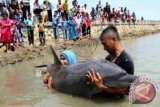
x=29 y=52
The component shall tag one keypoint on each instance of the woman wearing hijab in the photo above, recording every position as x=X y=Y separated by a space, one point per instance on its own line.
x=67 y=57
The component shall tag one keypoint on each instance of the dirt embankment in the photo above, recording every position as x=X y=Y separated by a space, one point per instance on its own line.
x=29 y=52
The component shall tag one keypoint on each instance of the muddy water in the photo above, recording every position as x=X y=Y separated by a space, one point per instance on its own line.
x=21 y=84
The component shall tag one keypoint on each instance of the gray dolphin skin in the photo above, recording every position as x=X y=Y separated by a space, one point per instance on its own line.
x=72 y=79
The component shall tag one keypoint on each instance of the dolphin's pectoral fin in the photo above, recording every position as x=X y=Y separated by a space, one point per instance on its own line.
x=41 y=66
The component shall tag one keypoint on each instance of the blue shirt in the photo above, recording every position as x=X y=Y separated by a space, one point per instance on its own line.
x=18 y=18
x=64 y=24
x=55 y=21
x=29 y=22
x=83 y=19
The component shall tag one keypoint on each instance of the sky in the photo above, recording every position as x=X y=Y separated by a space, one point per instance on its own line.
x=149 y=9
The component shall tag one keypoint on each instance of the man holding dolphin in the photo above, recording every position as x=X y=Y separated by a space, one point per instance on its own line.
x=111 y=42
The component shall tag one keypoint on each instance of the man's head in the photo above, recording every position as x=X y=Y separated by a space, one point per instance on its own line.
x=110 y=39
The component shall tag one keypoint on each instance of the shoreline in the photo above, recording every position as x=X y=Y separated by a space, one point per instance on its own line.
x=132 y=31
x=29 y=52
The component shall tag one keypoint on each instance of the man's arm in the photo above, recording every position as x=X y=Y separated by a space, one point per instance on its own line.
x=96 y=80
x=114 y=91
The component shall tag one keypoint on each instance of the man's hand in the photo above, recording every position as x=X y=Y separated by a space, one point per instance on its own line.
x=95 y=79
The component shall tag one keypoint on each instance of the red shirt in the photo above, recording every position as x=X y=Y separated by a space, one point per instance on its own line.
x=88 y=21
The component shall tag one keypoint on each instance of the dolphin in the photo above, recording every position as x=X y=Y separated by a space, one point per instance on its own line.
x=72 y=79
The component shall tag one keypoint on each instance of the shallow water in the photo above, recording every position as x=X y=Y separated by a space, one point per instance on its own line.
x=22 y=85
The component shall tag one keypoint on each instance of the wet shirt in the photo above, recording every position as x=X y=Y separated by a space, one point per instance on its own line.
x=124 y=61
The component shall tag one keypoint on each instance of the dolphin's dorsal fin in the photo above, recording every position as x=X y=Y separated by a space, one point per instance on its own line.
x=57 y=61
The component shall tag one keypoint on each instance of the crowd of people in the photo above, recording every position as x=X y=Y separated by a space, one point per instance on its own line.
x=74 y=22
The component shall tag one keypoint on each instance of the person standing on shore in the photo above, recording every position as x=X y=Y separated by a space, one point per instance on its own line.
x=19 y=19
x=72 y=29
x=65 y=9
x=59 y=8
x=14 y=30
x=65 y=28
x=78 y=21
x=99 y=9
x=83 y=23
x=6 y=31
x=55 y=26
x=23 y=10
x=41 y=31
x=26 y=7
x=30 y=28
x=111 y=42
x=88 y=21
x=93 y=14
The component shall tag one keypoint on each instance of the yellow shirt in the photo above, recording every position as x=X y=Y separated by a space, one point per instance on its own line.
x=65 y=6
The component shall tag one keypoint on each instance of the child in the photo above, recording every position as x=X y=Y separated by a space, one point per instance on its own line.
x=59 y=7
x=65 y=9
x=41 y=31
x=44 y=13
x=93 y=14
x=103 y=17
x=72 y=30
x=6 y=31
x=55 y=26
x=88 y=21
x=30 y=29
x=83 y=23
x=78 y=21
x=67 y=57
x=14 y=31
x=18 y=18
x=65 y=28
